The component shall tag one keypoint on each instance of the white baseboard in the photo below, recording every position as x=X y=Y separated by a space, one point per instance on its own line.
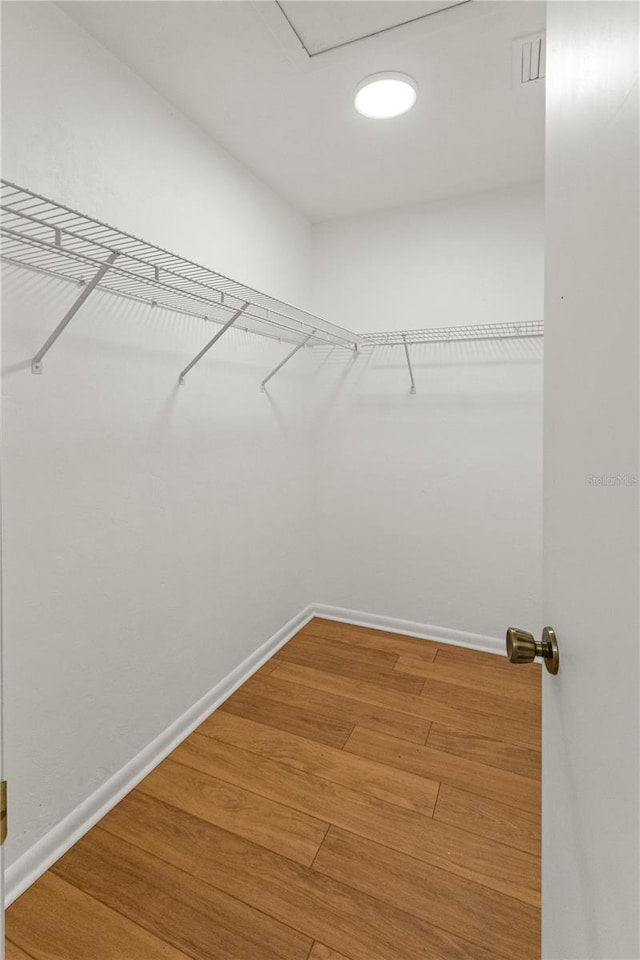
x=32 y=864
x=424 y=631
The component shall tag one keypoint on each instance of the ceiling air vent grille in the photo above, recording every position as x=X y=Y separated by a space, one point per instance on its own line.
x=529 y=58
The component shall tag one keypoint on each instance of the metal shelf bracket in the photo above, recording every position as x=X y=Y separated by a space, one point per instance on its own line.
x=220 y=333
x=288 y=357
x=406 y=351
x=36 y=363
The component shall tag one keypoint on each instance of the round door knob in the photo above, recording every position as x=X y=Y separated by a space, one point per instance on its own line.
x=521 y=646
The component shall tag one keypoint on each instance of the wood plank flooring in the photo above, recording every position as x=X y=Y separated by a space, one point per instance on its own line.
x=364 y=796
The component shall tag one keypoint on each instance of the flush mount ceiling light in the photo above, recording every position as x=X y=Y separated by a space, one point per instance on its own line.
x=385 y=95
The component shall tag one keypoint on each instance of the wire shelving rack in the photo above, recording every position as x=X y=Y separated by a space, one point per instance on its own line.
x=484 y=331
x=53 y=239
x=48 y=237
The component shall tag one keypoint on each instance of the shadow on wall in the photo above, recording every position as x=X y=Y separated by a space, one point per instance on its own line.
x=128 y=331
x=465 y=372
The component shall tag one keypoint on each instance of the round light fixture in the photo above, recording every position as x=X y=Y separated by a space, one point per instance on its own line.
x=385 y=95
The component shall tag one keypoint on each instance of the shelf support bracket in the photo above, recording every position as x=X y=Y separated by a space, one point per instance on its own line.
x=288 y=357
x=406 y=351
x=36 y=363
x=230 y=322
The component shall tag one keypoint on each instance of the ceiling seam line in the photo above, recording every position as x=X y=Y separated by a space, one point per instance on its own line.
x=367 y=36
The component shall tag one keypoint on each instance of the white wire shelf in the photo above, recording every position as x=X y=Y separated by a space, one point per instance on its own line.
x=42 y=235
x=485 y=331
x=50 y=238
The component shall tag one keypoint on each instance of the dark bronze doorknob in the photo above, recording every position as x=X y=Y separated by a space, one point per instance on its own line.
x=522 y=647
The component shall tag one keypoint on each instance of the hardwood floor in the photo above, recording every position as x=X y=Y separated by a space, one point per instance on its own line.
x=364 y=796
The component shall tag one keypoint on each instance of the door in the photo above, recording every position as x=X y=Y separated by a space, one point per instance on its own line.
x=591 y=804
x=3 y=812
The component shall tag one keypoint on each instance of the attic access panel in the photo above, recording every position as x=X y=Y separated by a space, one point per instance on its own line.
x=323 y=25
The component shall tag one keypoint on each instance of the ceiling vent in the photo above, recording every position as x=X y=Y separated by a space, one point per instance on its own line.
x=529 y=58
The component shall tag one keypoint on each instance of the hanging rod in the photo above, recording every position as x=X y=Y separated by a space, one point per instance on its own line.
x=50 y=238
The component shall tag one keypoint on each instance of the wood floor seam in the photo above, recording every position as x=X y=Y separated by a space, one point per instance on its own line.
x=431 y=923
x=433 y=866
x=155 y=856
x=282 y=689
x=500 y=754
x=516 y=904
x=370 y=638
x=435 y=806
x=410 y=704
x=257 y=843
x=363 y=742
x=291 y=806
x=245 y=903
x=318 y=776
x=121 y=914
x=320 y=847
x=21 y=949
x=171 y=952
x=347 y=740
x=501 y=842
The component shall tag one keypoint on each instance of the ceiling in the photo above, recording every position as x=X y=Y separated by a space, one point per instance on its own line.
x=273 y=84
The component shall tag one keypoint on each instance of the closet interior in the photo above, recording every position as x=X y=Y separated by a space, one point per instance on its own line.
x=258 y=546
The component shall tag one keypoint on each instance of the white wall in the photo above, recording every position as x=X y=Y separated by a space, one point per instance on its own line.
x=152 y=534
x=430 y=505
x=472 y=259
x=81 y=128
